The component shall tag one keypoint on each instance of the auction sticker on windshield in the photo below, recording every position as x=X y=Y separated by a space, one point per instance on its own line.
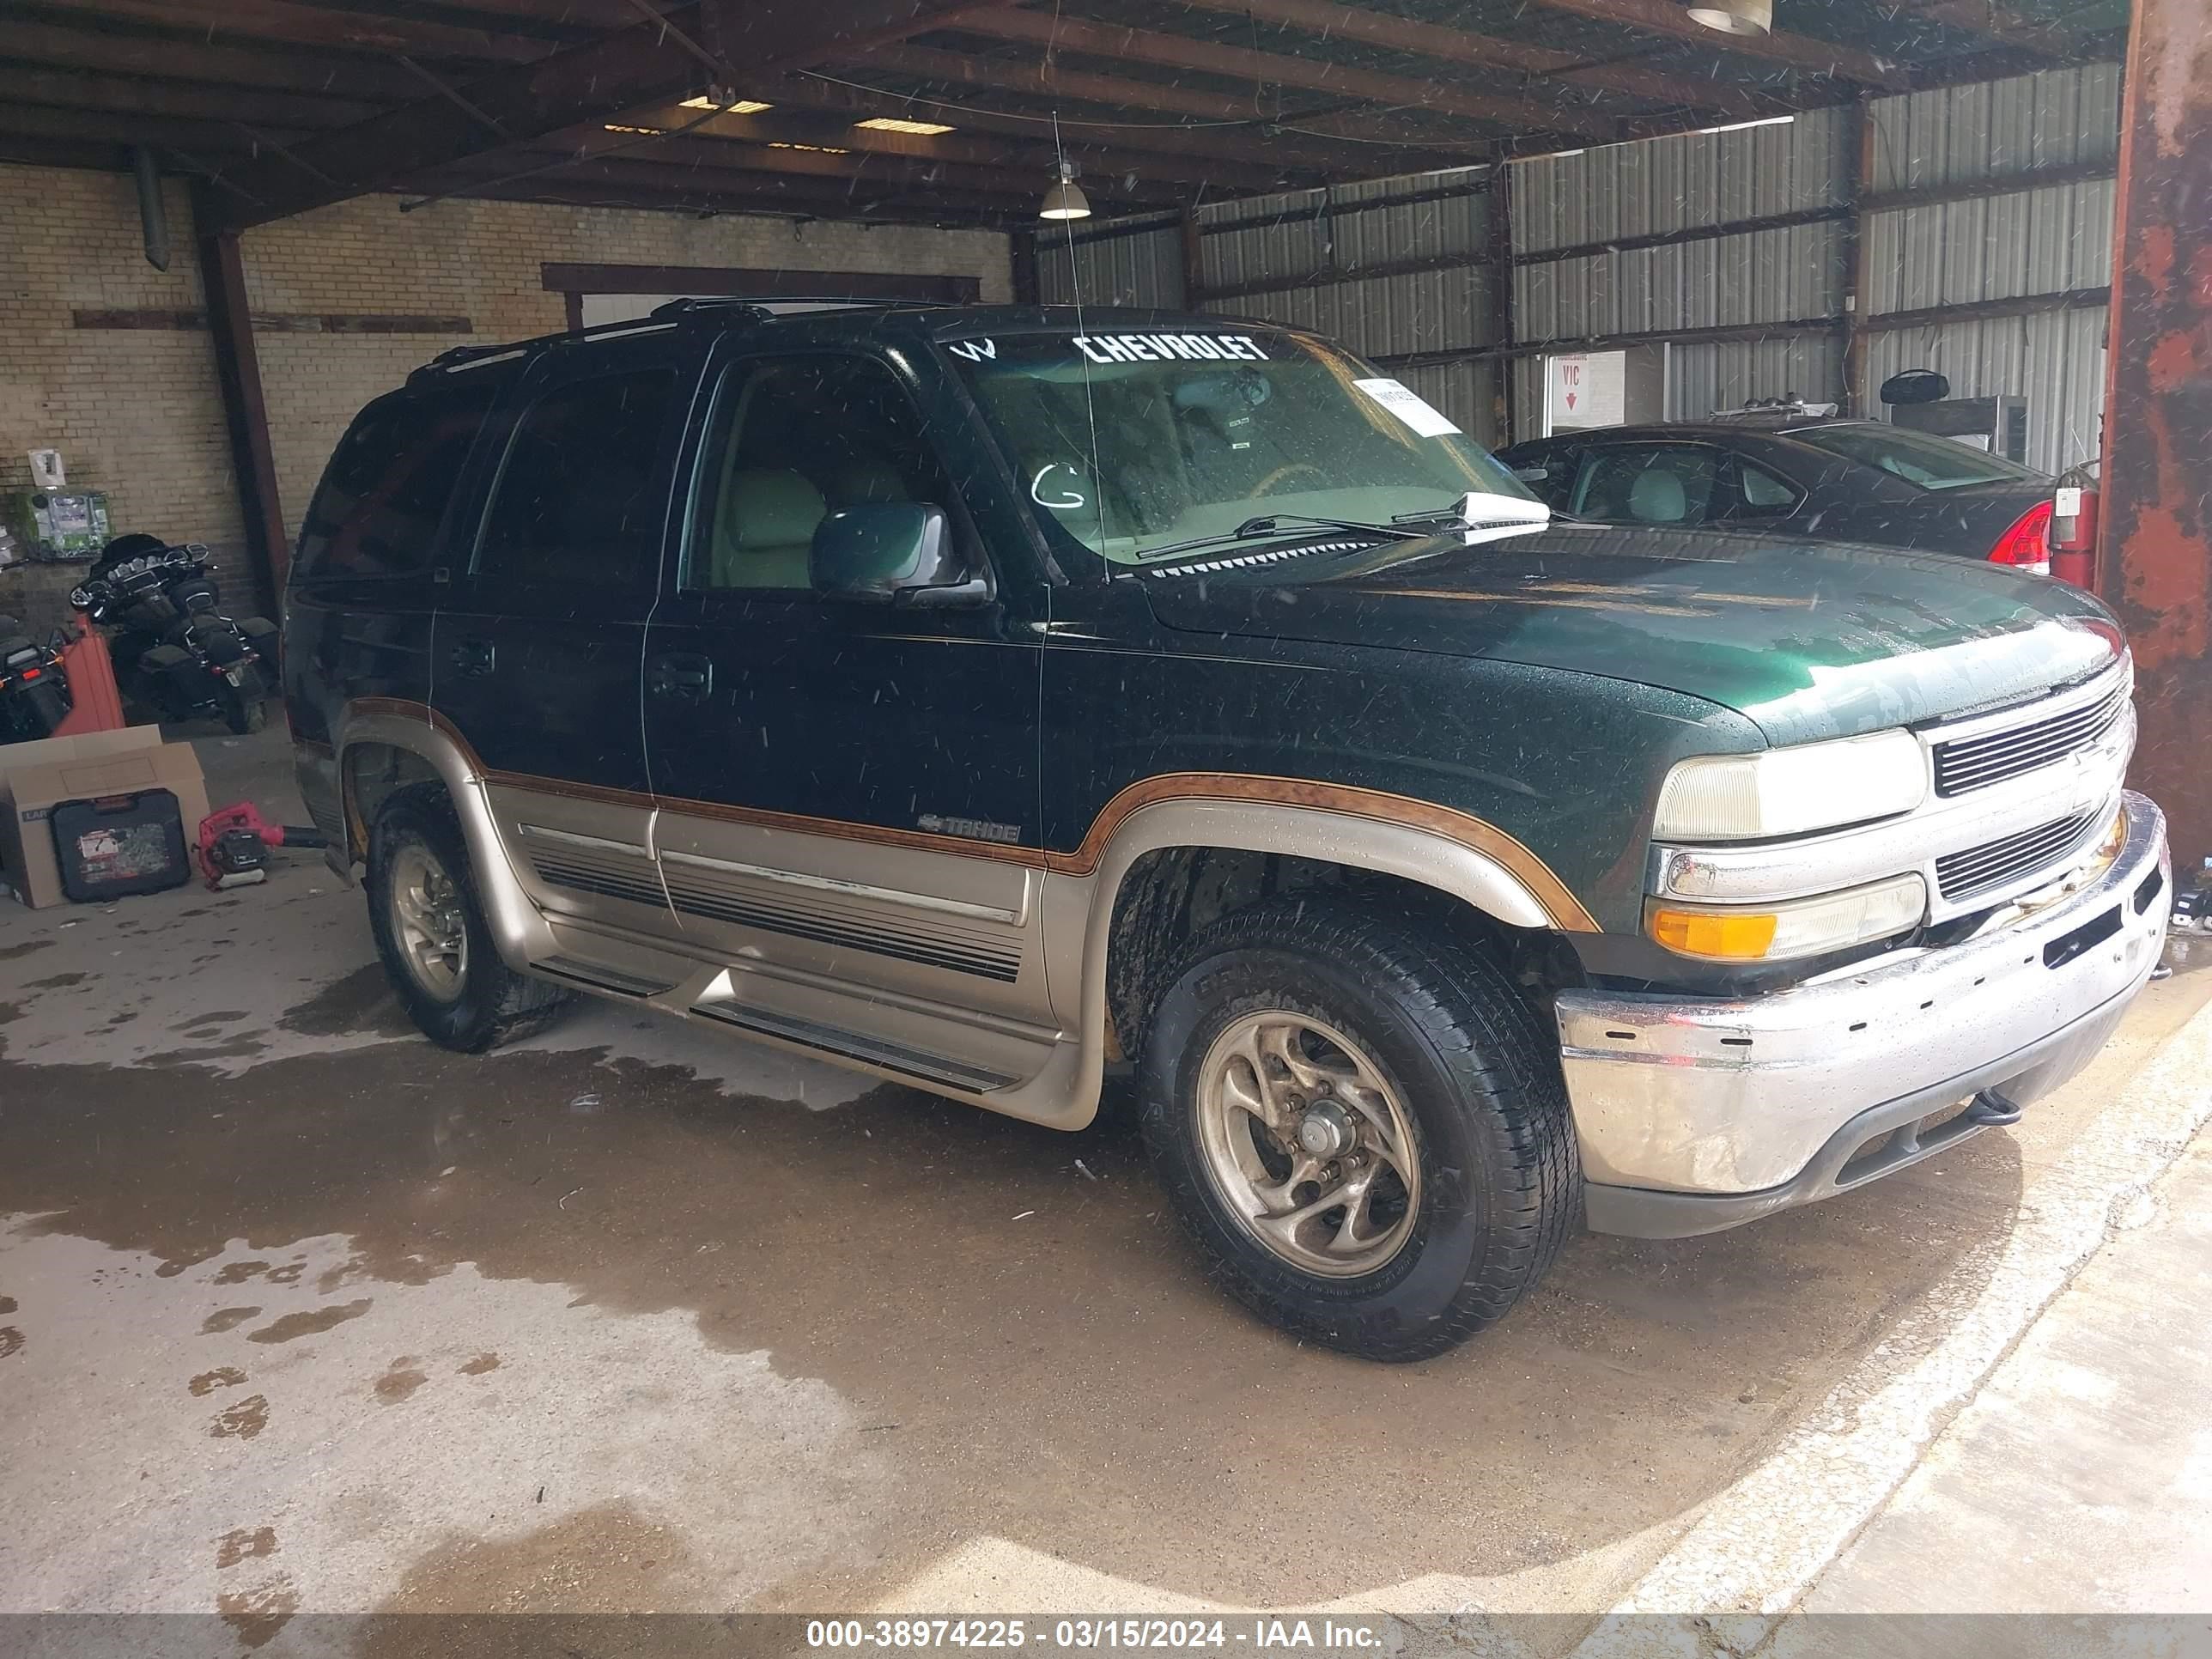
x=1409 y=406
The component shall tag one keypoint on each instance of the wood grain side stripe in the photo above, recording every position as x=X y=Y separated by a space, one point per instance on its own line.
x=1475 y=834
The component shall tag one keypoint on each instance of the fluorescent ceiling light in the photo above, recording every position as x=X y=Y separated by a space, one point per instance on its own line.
x=893 y=124
x=819 y=149
x=739 y=106
x=1738 y=126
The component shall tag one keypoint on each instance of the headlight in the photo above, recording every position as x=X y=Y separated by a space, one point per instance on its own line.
x=1787 y=792
x=1802 y=928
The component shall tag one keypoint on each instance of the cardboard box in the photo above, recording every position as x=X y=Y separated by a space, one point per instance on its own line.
x=35 y=776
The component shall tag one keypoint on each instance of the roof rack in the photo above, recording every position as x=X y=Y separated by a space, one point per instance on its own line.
x=469 y=355
x=763 y=306
x=665 y=315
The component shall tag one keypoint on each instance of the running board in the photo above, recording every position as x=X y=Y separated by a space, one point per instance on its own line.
x=824 y=1039
x=612 y=981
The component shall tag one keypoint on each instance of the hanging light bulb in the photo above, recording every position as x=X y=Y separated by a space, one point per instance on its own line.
x=1735 y=16
x=1065 y=199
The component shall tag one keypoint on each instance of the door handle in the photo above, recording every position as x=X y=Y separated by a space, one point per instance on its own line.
x=472 y=656
x=681 y=679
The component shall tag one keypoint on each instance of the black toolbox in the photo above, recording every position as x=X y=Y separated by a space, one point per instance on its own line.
x=118 y=845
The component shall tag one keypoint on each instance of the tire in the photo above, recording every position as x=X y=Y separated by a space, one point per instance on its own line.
x=245 y=704
x=483 y=1002
x=1404 y=1026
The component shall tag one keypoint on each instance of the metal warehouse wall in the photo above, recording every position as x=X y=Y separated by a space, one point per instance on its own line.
x=1300 y=258
x=2049 y=240
x=1687 y=182
x=1120 y=268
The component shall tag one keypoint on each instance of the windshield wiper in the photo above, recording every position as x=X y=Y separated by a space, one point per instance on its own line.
x=1284 y=524
x=1482 y=509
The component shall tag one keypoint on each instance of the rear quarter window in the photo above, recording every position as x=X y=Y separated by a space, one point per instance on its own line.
x=384 y=496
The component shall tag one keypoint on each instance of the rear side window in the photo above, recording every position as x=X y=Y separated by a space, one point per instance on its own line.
x=389 y=483
x=582 y=494
x=1920 y=459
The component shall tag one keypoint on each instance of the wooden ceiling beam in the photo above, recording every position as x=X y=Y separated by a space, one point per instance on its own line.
x=713 y=156
x=78 y=89
x=752 y=35
x=112 y=52
x=1081 y=126
x=1800 y=52
x=1114 y=96
x=2005 y=28
x=1442 y=94
x=519 y=104
x=289 y=23
x=1455 y=45
x=695 y=204
x=965 y=148
x=614 y=179
x=200 y=136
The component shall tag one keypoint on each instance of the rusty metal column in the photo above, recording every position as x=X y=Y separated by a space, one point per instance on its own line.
x=245 y=413
x=2156 y=541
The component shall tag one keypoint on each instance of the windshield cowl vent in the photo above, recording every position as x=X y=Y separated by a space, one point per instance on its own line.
x=1247 y=561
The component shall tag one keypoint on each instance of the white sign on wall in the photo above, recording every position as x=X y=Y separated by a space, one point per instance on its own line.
x=1583 y=389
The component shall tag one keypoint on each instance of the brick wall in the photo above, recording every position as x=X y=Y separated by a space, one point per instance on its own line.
x=136 y=412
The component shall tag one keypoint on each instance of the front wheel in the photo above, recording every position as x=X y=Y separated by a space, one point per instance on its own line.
x=1363 y=1124
x=430 y=930
x=245 y=704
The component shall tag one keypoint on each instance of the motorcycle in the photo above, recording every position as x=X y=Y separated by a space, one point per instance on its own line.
x=173 y=647
x=34 y=694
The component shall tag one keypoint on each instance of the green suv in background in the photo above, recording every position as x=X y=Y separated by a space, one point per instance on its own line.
x=983 y=697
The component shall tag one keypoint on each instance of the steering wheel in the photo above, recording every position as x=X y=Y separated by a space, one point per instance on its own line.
x=1290 y=469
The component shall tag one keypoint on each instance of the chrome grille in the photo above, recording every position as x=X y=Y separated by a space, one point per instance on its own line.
x=1976 y=869
x=1968 y=763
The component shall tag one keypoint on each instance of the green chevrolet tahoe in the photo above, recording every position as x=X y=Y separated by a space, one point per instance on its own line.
x=986 y=699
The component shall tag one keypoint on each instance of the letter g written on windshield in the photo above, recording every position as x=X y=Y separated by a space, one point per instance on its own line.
x=1169 y=348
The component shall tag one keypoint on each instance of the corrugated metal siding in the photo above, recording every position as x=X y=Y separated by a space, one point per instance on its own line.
x=1446 y=310
x=1145 y=269
x=2029 y=241
x=1766 y=277
x=1680 y=182
x=2025 y=242
x=2055 y=359
x=1995 y=248
x=2057 y=118
x=1704 y=378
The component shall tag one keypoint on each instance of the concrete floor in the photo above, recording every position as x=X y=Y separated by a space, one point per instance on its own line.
x=299 y=1313
x=2077 y=1485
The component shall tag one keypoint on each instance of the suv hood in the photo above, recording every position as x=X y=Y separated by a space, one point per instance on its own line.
x=1810 y=640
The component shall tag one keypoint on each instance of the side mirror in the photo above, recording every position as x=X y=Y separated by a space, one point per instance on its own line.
x=890 y=553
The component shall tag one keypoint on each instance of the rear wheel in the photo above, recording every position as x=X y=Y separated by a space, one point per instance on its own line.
x=430 y=930
x=1363 y=1124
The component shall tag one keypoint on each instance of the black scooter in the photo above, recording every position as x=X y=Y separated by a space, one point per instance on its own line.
x=175 y=648
x=34 y=690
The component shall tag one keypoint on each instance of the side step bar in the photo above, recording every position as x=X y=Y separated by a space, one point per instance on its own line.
x=825 y=1039
x=611 y=980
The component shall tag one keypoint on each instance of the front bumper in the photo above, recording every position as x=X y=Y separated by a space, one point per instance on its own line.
x=1696 y=1115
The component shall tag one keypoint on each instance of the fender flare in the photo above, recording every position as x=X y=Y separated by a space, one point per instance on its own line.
x=519 y=931
x=1450 y=852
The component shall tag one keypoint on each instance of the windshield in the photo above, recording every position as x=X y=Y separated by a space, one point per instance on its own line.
x=1134 y=443
x=1918 y=458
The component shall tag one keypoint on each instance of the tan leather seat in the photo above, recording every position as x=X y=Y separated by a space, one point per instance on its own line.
x=765 y=528
x=1658 y=497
